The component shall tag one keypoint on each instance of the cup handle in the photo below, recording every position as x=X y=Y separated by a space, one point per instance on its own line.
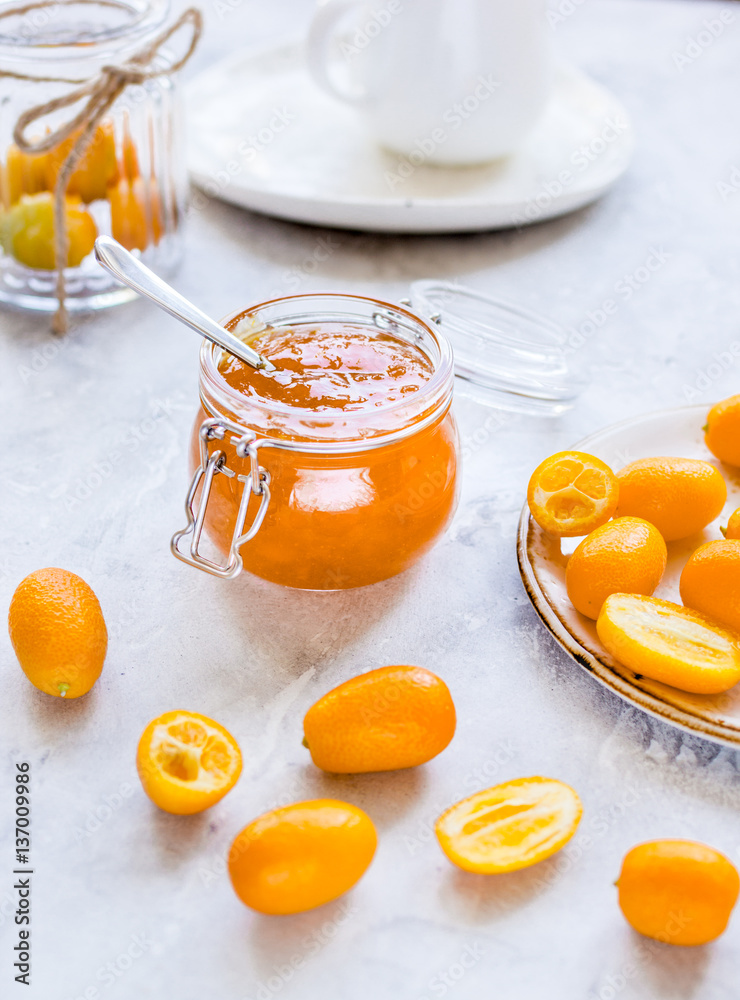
x=321 y=37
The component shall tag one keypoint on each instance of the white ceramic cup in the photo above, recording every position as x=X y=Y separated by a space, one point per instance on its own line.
x=451 y=82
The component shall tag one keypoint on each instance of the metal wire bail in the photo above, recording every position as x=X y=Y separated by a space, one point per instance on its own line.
x=256 y=483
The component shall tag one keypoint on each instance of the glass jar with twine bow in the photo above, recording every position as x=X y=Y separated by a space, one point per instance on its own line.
x=90 y=143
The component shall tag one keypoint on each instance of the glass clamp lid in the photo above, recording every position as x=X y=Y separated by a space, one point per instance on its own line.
x=508 y=357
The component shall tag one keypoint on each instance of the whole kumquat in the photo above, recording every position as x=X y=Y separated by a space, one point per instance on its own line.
x=510 y=826
x=571 y=493
x=732 y=531
x=383 y=720
x=669 y=643
x=722 y=431
x=187 y=762
x=135 y=213
x=627 y=555
x=680 y=496
x=22 y=173
x=96 y=169
x=58 y=632
x=27 y=231
x=710 y=581
x=677 y=891
x=301 y=856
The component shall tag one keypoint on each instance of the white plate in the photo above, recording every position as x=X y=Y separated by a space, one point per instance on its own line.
x=263 y=136
x=542 y=565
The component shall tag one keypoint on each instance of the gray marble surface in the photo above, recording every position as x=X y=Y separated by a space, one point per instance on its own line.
x=132 y=904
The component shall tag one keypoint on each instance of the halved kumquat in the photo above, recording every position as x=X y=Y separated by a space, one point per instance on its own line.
x=571 y=493
x=670 y=643
x=383 y=720
x=510 y=826
x=187 y=762
x=301 y=856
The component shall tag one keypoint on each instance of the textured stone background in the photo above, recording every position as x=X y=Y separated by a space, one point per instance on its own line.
x=110 y=869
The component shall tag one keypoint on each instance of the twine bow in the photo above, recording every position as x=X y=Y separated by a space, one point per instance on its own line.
x=100 y=93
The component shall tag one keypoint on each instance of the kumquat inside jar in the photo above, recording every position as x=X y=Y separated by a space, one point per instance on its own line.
x=336 y=470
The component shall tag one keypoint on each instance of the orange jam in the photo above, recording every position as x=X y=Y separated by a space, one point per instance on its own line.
x=356 y=433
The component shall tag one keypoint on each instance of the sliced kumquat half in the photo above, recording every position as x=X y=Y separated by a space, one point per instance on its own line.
x=187 y=762
x=571 y=493
x=510 y=826
x=670 y=643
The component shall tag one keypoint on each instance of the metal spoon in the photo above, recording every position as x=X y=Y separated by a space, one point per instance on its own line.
x=128 y=269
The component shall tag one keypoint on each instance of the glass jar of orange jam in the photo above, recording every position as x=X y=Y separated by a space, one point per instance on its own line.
x=338 y=469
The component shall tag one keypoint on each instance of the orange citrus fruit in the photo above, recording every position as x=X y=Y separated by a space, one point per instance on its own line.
x=510 y=826
x=96 y=169
x=722 y=431
x=21 y=173
x=135 y=216
x=58 y=632
x=710 y=581
x=27 y=231
x=571 y=493
x=680 y=496
x=677 y=891
x=668 y=643
x=625 y=556
x=301 y=856
x=383 y=720
x=187 y=762
x=732 y=530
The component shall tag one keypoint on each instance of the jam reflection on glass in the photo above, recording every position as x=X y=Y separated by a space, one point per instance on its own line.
x=336 y=521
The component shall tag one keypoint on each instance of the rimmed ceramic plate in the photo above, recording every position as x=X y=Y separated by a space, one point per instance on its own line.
x=262 y=135
x=542 y=562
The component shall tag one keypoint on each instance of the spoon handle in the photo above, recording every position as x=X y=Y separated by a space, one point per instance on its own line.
x=128 y=269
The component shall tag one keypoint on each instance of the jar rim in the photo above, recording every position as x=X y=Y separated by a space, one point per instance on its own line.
x=353 y=422
x=36 y=37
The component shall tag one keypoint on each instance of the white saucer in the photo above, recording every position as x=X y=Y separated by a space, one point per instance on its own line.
x=263 y=136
